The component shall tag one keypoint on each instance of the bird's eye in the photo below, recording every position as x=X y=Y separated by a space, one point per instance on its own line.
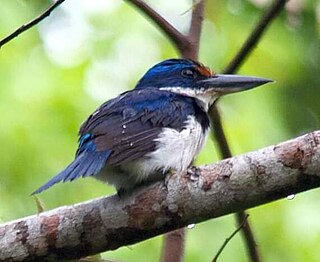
x=188 y=73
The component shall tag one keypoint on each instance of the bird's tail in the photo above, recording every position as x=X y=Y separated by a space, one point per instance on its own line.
x=85 y=164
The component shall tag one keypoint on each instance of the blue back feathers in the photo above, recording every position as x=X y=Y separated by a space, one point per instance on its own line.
x=88 y=162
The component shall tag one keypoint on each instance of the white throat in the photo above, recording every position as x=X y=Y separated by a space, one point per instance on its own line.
x=204 y=98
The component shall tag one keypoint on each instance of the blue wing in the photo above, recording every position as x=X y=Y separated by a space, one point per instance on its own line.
x=124 y=129
x=129 y=124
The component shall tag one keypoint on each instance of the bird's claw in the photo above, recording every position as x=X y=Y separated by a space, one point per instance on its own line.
x=193 y=173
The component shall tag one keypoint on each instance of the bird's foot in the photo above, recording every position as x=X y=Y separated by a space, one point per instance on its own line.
x=193 y=173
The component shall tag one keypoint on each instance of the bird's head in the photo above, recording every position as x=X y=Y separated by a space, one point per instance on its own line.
x=193 y=79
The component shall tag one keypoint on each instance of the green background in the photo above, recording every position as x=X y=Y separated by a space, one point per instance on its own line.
x=54 y=75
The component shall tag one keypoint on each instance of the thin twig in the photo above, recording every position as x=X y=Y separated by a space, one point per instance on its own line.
x=225 y=152
x=30 y=24
x=255 y=35
x=248 y=236
x=218 y=132
x=242 y=225
x=177 y=38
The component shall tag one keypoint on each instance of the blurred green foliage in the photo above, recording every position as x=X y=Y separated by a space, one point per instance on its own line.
x=53 y=76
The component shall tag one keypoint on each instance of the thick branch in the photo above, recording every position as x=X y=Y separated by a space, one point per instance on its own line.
x=215 y=190
x=32 y=23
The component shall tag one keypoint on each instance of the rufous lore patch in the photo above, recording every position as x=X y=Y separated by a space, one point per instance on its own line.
x=204 y=70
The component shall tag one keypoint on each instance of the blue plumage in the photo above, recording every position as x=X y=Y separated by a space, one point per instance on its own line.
x=170 y=73
x=160 y=125
x=88 y=162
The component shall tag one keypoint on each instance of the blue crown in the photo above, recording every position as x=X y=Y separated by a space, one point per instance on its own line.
x=172 y=73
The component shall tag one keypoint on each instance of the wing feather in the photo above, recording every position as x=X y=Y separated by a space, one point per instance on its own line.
x=129 y=125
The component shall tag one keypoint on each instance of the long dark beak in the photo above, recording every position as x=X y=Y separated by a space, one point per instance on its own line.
x=225 y=84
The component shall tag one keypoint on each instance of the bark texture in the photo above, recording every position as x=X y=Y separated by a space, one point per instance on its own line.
x=214 y=190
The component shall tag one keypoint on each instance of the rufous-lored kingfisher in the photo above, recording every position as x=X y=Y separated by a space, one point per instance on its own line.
x=160 y=125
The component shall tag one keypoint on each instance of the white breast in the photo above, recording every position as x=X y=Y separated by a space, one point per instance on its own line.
x=175 y=150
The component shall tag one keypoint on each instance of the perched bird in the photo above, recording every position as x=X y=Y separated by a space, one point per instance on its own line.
x=158 y=126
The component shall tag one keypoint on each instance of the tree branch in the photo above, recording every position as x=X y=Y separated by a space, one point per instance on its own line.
x=218 y=132
x=32 y=23
x=188 y=46
x=173 y=246
x=196 y=21
x=225 y=152
x=248 y=236
x=215 y=190
x=193 y=38
x=245 y=50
